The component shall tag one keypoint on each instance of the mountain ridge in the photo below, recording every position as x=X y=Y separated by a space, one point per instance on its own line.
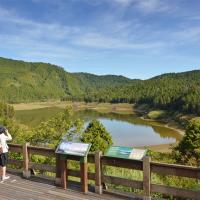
x=29 y=81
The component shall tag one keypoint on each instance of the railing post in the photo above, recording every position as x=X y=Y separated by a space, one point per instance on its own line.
x=58 y=170
x=98 y=171
x=84 y=174
x=147 y=178
x=26 y=171
x=64 y=173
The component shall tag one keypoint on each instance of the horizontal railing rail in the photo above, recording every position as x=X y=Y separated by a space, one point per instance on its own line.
x=145 y=166
x=176 y=170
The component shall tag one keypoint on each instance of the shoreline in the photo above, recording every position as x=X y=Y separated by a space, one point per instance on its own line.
x=122 y=107
x=106 y=108
x=161 y=148
x=167 y=125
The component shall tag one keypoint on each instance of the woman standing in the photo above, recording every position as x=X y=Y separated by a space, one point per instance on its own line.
x=4 y=137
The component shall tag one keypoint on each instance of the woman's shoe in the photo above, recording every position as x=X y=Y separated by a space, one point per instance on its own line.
x=5 y=178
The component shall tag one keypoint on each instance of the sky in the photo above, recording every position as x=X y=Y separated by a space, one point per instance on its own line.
x=134 y=38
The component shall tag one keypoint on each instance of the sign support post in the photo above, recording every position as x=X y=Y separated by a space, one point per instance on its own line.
x=63 y=163
x=84 y=174
x=64 y=151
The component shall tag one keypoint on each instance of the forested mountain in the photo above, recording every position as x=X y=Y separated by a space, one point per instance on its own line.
x=27 y=81
x=175 y=91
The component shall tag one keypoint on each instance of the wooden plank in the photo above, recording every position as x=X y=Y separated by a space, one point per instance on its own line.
x=58 y=169
x=146 y=177
x=98 y=175
x=120 y=162
x=76 y=173
x=44 y=167
x=26 y=171
x=77 y=158
x=176 y=192
x=25 y=157
x=18 y=163
x=41 y=151
x=176 y=170
x=91 y=158
x=84 y=175
x=15 y=148
x=63 y=173
x=122 y=181
x=91 y=176
x=23 y=189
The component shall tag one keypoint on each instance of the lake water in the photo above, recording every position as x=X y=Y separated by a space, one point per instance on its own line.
x=126 y=129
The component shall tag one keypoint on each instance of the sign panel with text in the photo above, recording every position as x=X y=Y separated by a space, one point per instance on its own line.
x=73 y=148
x=126 y=152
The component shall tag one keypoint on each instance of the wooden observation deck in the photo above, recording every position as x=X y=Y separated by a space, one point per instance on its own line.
x=35 y=188
x=33 y=179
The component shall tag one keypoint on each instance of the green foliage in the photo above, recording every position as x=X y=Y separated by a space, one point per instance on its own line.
x=6 y=119
x=188 y=150
x=180 y=92
x=6 y=111
x=50 y=133
x=156 y=114
x=97 y=135
x=27 y=82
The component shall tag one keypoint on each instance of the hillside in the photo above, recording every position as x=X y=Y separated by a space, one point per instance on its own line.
x=174 y=91
x=27 y=81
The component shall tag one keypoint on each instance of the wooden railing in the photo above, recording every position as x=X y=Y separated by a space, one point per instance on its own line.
x=146 y=167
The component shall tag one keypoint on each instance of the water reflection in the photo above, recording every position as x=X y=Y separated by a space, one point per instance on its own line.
x=131 y=130
x=126 y=129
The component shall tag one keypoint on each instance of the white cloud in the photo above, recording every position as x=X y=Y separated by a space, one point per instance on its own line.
x=123 y=2
x=29 y=47
x=39 y=40
x=188 y=34
x=146 y=6
x=47 y=35
x=36 y=29
x=96 y=40
x=150 y=6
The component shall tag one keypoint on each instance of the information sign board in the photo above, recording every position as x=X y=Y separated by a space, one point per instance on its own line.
x=73 y=148
x=126 y=152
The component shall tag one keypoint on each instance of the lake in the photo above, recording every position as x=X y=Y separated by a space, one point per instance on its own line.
x=126 y=129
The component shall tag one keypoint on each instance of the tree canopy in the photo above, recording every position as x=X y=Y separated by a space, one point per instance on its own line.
x=27 y=82
x=98 y=136
x=188 y=150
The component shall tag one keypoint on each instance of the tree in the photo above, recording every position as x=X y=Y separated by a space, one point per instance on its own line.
x=98 y=136
x=50 y=133
x=6 y=111
x=188 y=150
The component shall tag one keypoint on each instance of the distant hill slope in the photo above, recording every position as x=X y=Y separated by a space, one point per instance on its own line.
x=28 y=81
x=174 y=91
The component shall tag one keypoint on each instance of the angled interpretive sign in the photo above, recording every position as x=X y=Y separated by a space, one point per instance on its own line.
x=73 y=148
x=126 y=152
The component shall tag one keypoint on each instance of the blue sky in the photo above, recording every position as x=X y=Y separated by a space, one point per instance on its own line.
x=134 y=38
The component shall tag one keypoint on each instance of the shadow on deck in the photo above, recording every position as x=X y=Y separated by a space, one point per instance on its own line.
x=36 y=188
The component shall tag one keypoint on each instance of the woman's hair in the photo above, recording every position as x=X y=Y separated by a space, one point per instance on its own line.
x=2 y=129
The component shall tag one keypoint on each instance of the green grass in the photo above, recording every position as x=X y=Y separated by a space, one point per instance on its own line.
x=157 y=114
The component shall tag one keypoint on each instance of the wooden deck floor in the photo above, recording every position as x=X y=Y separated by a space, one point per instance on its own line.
x=17 y=188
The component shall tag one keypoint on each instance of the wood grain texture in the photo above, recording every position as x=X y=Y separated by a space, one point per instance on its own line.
x=176 y=192
x=176 y=170
x=18 y=188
